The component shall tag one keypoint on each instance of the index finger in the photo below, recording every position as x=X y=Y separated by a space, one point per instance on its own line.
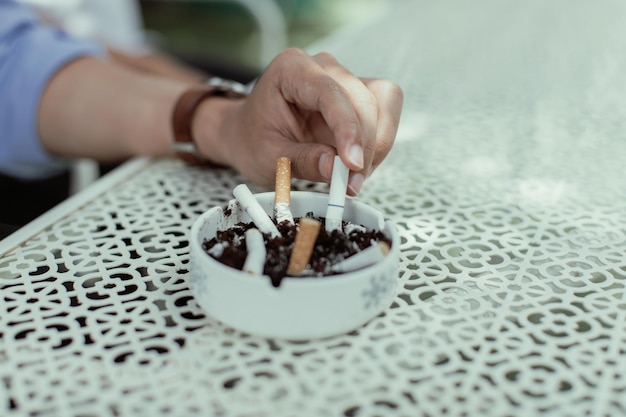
x=306 y=84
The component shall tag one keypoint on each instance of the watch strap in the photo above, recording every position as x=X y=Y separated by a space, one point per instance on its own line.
x=182 y=117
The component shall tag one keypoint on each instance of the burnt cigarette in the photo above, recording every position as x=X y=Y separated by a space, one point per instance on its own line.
x=251 y=206
x=303 y=245
x=337 y=195
x=255 y=260
x=366 y=257
x=282 y=195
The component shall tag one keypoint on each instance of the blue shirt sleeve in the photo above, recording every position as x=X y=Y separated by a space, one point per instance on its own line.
x=30 y=54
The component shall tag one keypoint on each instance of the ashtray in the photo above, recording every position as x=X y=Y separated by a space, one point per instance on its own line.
x=301 y=307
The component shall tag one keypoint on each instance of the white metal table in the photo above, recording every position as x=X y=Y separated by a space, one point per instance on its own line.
x=507 y=185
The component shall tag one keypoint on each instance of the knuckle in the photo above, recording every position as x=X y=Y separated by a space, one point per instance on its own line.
x=285 y=58
x=301 y=165
x=329 y=90
x=384 y=143
x=370 y=146
x=325 y=57
x=395 y=90
x=291 y=52
x=388 y=89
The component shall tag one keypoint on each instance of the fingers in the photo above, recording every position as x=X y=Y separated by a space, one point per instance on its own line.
x=389 y=98
x=378 y=104
x=314 y=108
x=366 y=107
x=306 y=83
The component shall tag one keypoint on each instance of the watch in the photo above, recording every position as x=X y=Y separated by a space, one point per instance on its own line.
x=185 y=109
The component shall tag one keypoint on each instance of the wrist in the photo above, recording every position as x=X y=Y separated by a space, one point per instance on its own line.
x=211 y=128
x=200 y=121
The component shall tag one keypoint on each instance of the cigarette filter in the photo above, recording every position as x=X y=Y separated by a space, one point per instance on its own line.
x=366 y=257
x=255 y=211
x=255 y=260
x=282 y=195
x=337 y=195
x=303 y=245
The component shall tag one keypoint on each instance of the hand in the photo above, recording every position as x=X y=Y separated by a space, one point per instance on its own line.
x=309 y=109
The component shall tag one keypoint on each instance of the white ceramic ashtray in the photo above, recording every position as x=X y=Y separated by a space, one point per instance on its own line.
x=300 y=307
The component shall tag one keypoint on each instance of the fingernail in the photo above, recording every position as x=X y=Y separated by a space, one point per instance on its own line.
x=355 y=155
x=356 y=182
x=322 y=166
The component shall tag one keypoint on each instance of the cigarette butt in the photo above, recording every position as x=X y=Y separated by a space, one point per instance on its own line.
x=366 y=257
x=255 y=260
x=303 y=245
x=337 y=195
x=282 y=194
x=255 y=211
x=283 y=181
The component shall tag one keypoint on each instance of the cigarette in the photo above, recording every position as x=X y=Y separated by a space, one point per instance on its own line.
x=366 y=257
x=337 y=195
x=303 y=245
x=218 y=249
x=282 y=195
x=255 y=211
x=255 y=260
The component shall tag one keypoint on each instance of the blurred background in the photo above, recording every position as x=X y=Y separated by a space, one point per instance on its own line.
x=241 y=36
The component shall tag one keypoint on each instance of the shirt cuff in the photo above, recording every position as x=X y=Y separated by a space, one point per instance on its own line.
x=36 y=55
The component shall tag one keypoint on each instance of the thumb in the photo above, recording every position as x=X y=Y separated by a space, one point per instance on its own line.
x=310 y=161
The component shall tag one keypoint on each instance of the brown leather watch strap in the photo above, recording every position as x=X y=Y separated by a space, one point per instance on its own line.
x=182 y=118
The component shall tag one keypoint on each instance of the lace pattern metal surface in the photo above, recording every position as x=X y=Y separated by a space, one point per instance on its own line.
x=507 y=185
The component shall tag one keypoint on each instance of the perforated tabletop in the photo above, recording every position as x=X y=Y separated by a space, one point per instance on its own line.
x=507 y=186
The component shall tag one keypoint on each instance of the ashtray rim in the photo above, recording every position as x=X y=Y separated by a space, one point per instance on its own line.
x=388 y=228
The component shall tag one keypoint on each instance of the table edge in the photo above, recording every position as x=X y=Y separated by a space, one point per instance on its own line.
x=71 y=204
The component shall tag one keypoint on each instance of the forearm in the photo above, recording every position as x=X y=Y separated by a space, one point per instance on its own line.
x=92 y=108
x=104 y=111
x=158 y=64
